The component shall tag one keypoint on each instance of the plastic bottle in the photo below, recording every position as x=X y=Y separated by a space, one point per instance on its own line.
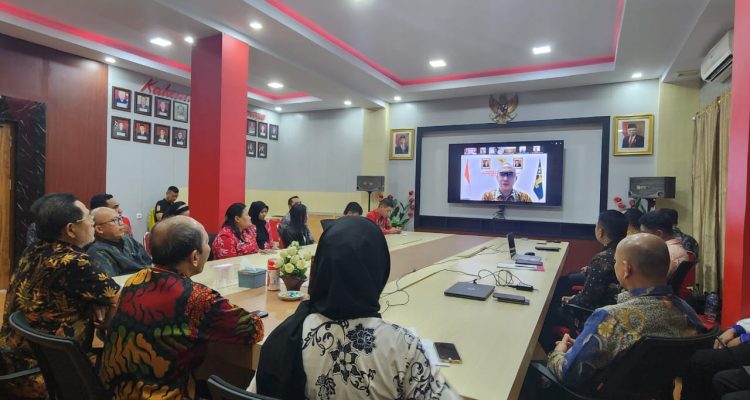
x=272 y=276
x=712 y=306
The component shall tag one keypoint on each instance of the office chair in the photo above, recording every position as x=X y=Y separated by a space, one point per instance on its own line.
x=221 y=390
x=678 y=276
x=645 y=371
x=67 y=371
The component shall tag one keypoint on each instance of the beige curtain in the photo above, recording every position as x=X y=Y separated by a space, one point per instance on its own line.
x=709 y=190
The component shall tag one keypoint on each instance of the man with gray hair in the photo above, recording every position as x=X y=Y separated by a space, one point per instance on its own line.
x=506 y=178
x=114 y=251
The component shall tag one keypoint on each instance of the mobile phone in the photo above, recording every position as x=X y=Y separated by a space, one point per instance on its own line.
x=260 y=313
x=447 y=353
x=510 y=298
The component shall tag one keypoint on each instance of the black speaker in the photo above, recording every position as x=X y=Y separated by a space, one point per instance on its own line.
x=658 y=187
x=370 y=183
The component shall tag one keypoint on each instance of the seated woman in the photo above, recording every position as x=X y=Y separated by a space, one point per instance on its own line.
x=336 y=345
x=56 y=287
x=177 y=208
x=297 y=230
x=235 y=237
x=261 y=228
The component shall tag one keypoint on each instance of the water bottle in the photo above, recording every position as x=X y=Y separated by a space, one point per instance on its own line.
x=712 y=306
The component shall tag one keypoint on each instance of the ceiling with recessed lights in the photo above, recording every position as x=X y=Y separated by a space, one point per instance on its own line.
x=371 y=52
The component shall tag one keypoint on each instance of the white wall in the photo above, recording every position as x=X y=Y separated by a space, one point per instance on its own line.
x=138 y=174
x=711 y=90
x=639 y=97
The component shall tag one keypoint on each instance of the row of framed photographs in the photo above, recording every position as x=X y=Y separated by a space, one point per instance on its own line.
x=256 y=149
x=163 y=135
x=164 y=108
x=262 y=130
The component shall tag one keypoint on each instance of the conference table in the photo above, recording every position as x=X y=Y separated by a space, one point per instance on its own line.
x=495 y=340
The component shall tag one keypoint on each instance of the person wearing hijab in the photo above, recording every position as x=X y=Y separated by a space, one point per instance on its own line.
x=235 y=237
x=336 y=346
x=297 y=230
x=260 y=226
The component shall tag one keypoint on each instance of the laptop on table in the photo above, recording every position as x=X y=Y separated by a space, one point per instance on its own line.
x=521 y=258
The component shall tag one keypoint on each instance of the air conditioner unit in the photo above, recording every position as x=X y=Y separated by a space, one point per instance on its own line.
x=717 y=65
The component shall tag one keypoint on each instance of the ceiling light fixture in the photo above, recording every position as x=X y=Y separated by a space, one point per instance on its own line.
x=541 y=50
x=110 y=60
x=160 y=42
x=256 y=25
x=347 y=103
x=275 y=85
x=278 y=109
x=189 y=39
x=437 y=63
x=396 y=98
x=637 y=75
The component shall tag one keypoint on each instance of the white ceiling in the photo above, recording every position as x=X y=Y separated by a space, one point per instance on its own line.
x=368 y=51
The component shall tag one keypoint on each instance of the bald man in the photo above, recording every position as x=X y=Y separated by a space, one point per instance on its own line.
x=646 y=308
x=114 y=251
x=165 y=320
x=506 y=178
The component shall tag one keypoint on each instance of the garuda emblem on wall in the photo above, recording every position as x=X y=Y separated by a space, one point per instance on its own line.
x=503 y=108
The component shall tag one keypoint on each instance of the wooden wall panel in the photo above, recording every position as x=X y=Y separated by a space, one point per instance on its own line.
x=75 y=92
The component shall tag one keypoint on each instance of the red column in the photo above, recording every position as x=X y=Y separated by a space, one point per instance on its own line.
x=217 y=119
x=737 y=258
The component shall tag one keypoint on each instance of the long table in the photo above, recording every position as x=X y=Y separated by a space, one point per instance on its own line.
x=495 y=340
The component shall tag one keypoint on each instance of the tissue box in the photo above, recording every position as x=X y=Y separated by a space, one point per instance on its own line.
x=252 y=277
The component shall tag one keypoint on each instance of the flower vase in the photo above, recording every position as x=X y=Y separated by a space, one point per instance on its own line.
x=293 y=282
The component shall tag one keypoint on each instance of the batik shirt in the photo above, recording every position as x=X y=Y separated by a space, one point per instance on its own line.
x=227 y=244
x=56 y=287
x=513 y=196
x=121 y=257
x=601 y=287
x=610 y=330
x=367 y=358
x=161 y=331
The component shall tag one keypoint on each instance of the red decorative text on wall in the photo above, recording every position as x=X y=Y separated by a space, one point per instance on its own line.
x=153 y=87
x=256 y=115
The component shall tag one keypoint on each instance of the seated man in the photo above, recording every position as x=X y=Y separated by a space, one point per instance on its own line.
x=688 y=242
x=380 y=216
x=113 y=251
x=107 y=200
x=353 y=209
x=648 y=308
x=294 y=200
x=506 y=178
x=56 y=287
x=165 y=320
x=659 y=224
x=634 y=217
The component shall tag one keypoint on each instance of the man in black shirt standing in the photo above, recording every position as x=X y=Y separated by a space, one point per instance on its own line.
x=163 y=204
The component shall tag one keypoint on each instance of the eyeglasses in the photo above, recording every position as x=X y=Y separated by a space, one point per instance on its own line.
x=507 y=174
x=116 y=220
x=89 y=219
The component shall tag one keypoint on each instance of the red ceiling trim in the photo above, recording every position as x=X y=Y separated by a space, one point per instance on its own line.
x=292 y=13
x=274 y=96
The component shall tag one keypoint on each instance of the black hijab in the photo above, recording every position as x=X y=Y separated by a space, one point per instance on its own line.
x=261 y=234
x=351 y=268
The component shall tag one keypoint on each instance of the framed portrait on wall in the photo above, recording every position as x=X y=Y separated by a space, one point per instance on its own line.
x=142 y=132
x=161 y=135
x=262 y=150
x=262 y=132
x=252 y=127
x=120 y=128
x=143 y=103
x=273 y=132
x=120 y=99
x=180 y=112
x=633 y=135
x=250 y=148
x=402 y=144
x=179 y=137
x=163 y=108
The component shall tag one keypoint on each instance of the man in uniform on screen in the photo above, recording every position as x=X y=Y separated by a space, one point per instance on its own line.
x=506 y=178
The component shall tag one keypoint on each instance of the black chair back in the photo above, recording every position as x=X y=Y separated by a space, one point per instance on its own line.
x=649 y=367
x=326 y=223
x=678 y=276
x=221 y=390
x=67 y=371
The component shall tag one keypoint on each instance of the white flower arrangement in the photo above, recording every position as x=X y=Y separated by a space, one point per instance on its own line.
x=293 y=261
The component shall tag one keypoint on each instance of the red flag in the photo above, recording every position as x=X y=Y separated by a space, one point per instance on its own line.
x=466 y=173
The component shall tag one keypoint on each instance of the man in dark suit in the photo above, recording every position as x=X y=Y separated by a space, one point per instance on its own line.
x=403 y=145
x=633 y=139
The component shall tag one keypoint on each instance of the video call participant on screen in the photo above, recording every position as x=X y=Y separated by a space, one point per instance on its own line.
x=633 y=139
x=506 y=178
x=380 y=217
x=163 y=205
